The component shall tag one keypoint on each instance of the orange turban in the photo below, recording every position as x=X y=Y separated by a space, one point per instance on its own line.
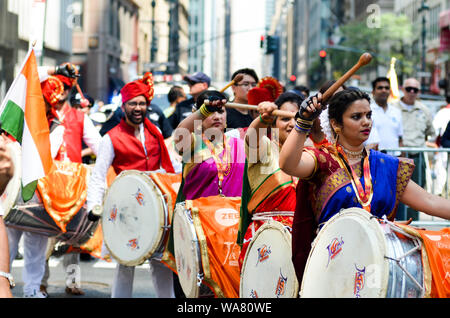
x=52 y=89
x=139 y=87
x=267 y=90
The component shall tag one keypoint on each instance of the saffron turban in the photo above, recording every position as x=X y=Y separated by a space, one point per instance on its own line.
x=139 y=87
x=52 y=90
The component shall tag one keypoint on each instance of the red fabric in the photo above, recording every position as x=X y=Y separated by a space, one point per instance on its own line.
x=52 y=89
x=140 y=87
x=258 y=95
x=73 y=123
x=66 y=80
x=283 y=200
x=129 y=154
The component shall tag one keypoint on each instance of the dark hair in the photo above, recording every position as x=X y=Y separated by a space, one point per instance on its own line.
x=247 y=71
x=341 y=101
x=174 y=93
x=327 y=85
x=302 y=88
x=211 y=95
x=289 y=97
x=380 y=79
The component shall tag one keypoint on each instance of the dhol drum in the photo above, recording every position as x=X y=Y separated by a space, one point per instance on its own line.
x=206 y=252
x=356 y=255
x=50 y=212
x=269 y=256
x=135 y=219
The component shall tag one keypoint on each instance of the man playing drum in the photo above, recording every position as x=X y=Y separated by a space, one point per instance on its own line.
x=70 y=127
x=134 y=144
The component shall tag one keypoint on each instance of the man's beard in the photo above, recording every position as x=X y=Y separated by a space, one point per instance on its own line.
x=132 y=116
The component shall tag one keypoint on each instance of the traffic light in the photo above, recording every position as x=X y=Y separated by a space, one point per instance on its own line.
x=261 y=45
x=293 y=79
x=272 y=44
x=323 y=54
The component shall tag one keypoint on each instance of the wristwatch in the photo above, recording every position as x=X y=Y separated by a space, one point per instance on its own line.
x=9 y=277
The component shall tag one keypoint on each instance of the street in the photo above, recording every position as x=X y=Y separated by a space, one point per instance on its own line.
x=96 y=279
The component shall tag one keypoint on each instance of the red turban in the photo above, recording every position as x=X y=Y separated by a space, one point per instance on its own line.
x=140 y=87
x=52 y=89
x=66 y=80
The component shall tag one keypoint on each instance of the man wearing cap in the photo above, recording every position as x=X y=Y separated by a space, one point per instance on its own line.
x=135 y=143
x=198 y=83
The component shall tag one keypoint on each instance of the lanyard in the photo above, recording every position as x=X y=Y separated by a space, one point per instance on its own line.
x=223 y=164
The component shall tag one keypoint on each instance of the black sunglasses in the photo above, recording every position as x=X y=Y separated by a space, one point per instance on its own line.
x=414 y=90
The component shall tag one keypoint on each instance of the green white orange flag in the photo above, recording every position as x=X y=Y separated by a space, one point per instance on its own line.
x=23 y=116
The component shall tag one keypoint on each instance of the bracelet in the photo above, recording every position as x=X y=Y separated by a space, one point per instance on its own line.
x=303 y=126
x=204 y=111
x=302 y=130
x=263 y=121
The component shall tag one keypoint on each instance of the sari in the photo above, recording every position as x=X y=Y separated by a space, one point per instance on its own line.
x=267 y=193
x=212 y=170
x=329 y=189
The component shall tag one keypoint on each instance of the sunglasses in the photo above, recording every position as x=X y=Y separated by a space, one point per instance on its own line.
x=414 y=90
x=383 y=87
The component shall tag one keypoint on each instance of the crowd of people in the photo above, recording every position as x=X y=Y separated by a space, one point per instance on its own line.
x=284 y=165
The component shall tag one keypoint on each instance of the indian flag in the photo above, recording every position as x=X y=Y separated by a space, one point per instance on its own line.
x=23 y=116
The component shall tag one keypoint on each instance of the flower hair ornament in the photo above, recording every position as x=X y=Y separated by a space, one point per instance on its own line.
x=326 y=127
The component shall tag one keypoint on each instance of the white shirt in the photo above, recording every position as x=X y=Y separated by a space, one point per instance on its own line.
x=105 y=157
x=91 y=137
x=389 y=126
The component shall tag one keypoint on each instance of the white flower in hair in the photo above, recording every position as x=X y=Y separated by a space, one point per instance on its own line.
x=326 y=127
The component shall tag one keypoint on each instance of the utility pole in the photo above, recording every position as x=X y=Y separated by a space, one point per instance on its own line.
x=154 y=45
x=423 y=8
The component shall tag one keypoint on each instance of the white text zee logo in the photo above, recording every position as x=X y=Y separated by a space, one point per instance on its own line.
x=227 y=217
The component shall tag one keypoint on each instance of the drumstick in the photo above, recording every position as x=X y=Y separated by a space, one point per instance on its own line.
x=277 y=112
x=365 y=59
x=237 y=79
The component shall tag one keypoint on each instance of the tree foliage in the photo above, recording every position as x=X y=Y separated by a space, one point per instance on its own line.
x=392 y=38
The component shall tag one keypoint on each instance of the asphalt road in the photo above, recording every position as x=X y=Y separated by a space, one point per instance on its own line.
x=96 y=277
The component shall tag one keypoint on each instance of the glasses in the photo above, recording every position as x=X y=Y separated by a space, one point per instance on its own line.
x=414 y=90
x=247 y=84
x=383 y=87
x=134 y=104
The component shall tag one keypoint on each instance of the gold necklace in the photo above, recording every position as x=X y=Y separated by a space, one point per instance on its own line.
x=353 y=154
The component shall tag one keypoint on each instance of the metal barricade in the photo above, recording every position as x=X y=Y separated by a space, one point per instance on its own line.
x=435 y=177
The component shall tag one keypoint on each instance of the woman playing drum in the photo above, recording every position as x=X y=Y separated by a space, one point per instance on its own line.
x=266 y=188
x=213 y=163
x=345 y=174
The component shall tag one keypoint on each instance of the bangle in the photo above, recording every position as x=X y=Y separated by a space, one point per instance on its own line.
x=204 y=111
x=303 y=126
x=302 y=130
x=263 y=121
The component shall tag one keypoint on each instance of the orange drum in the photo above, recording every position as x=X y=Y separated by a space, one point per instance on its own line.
x=206 y=253
x=57 y=208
